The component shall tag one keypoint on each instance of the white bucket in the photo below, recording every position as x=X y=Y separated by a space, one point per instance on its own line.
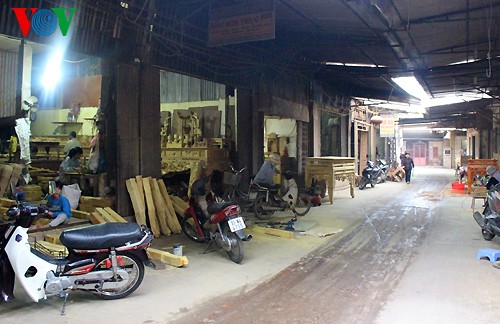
x=177 y=249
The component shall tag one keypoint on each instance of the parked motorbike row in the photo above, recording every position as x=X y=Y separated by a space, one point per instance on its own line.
x=489 y=220
x=374 y=173
x=108 y=259
x=225 y=226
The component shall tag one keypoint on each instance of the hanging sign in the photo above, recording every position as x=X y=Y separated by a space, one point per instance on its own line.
x=247 y=21
x=387 y=126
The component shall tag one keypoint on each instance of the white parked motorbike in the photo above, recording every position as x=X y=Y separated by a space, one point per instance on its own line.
x=107 y=260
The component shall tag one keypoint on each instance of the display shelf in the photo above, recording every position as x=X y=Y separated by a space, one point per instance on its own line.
x=67 y=123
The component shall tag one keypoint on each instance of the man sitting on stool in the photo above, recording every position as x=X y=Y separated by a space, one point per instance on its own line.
x=267 y=171
x=59 y=208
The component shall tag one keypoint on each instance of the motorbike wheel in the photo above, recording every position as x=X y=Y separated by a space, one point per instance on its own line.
x=236 y=253
x=190 y=230
x=487 y=235
x=259 y=211
x=135 y=269
x=362 y=184
x=302 y=206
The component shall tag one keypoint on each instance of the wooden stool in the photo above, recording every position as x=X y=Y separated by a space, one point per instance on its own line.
x=478 y=193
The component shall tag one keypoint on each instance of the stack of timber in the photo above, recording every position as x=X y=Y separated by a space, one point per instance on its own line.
x=396 y=174
x=151 y=194
x=105 y=215
x=4 y=206
x=32 y=193
x=95 y=201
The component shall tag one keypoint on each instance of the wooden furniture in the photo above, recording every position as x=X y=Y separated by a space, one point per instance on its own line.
x=187 y=158
x=331 y=169
x=47 y=145
x=477 y=166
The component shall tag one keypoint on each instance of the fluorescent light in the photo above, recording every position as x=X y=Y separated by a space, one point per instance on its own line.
x=464 y=62
x=52 y=73
x=411 y=85
x=355 y=64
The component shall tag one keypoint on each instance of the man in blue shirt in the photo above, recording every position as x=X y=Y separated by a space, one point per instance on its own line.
x=59 y=208
x=266 y=173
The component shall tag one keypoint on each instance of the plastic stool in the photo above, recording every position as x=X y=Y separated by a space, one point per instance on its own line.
x=491 y=254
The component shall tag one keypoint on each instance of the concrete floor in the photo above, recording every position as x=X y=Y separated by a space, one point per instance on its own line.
x=406 y=255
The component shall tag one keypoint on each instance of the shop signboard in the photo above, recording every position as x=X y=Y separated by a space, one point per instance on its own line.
x=387 y=126
x=242 y=22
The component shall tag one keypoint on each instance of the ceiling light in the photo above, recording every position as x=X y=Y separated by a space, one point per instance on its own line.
x=411 y=85
x=52 y=73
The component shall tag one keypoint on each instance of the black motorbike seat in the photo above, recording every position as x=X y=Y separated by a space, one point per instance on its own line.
x=102 y=236
x=217 y=207
x=268 y=187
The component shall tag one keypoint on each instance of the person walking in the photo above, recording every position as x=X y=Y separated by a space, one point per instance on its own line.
x=409 y=166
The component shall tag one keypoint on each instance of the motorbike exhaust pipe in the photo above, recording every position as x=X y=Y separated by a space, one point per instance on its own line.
x=247 y=238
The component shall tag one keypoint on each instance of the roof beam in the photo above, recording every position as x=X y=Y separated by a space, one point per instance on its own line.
x=448 y=14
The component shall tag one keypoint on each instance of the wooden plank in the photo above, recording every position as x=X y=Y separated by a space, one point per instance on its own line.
x=3 y=210
x=115 y=215
x=139 y=209
x=153 y=219
x=168 y=258
x=55 y=249
x=172 y=220
x=272 y=231
x=161 y=209
x=52 y=238
x=96 y=218
x=87 y=208
x=80 y=214
x=140 y=186
x=96 y=201
x=104 y=214
x=5 y=174
x=7 y=202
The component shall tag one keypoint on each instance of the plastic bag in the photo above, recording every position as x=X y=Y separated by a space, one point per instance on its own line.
x=73 y=193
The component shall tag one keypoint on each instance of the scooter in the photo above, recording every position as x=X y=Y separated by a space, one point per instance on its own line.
x=371 y=175
x=107 y=260
x=489 y=220
x=224 y=227
x=384 y=168
x=269 y=201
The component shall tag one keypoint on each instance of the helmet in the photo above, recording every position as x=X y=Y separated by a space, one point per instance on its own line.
x=490 y=170
x=275 y=159
x=30 y=102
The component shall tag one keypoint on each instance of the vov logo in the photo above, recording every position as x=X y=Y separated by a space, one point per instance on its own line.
x=44 y=22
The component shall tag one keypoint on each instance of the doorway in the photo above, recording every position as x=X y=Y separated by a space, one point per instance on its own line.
x=420 y=156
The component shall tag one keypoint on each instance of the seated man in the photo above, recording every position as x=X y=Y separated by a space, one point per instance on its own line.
x=59 y=208
x=266 y=173
x=72 y=143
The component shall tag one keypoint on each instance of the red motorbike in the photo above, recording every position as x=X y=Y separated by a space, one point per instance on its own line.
x=224 y=227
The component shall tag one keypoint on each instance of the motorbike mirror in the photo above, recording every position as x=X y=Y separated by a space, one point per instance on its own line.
x=52 y=187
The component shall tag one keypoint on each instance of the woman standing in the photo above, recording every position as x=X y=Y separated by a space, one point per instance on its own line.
x=408 y=165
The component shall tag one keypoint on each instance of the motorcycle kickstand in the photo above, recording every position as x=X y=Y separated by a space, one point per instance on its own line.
x=209 y=245
x=65 y=296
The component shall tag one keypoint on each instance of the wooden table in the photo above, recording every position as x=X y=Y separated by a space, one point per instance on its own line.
x=331 y=169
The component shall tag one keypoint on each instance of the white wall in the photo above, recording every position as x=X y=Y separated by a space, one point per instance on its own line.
x=283 y=128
